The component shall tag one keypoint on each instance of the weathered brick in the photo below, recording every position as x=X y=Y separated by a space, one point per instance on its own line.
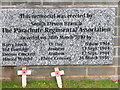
x=116 y=41
x=119 y=41
x=117 y=21
x=9 y=72
x=25 y=3
x=68 y=70
x=20 y=0
x=116 y=9
x=118 y=51
x=57 y=3
x=116 y=32
x=119 y=61
x=95 y=3
x=5 y=3
x=119 y=31
x=101 y=71
x=116 y=60
x=74 y=70
x=96 y=0
x=114 y=52
x=41 y=71
x=118 y=70
x=19 y=3
x=119 y=7
x=57 y=0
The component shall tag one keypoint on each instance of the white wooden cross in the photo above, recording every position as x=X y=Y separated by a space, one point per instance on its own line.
x=58 y=74
x=24 y=72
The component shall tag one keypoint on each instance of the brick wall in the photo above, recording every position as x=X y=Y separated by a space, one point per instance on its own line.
x=71 y=72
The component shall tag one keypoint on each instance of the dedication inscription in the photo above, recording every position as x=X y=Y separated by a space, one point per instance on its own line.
x=57 y=36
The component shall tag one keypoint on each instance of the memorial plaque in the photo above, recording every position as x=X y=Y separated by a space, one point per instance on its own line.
x=57 y=36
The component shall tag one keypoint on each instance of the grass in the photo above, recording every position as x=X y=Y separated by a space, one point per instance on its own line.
x=66 y=84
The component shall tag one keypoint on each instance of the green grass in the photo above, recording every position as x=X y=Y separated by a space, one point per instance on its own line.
x=66 y=84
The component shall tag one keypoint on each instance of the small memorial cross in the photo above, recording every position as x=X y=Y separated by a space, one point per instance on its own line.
x=24 y=72
x=58 y=74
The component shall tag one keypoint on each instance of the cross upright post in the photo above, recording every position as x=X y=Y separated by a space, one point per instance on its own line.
x=58 y=74
x=24 y=72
